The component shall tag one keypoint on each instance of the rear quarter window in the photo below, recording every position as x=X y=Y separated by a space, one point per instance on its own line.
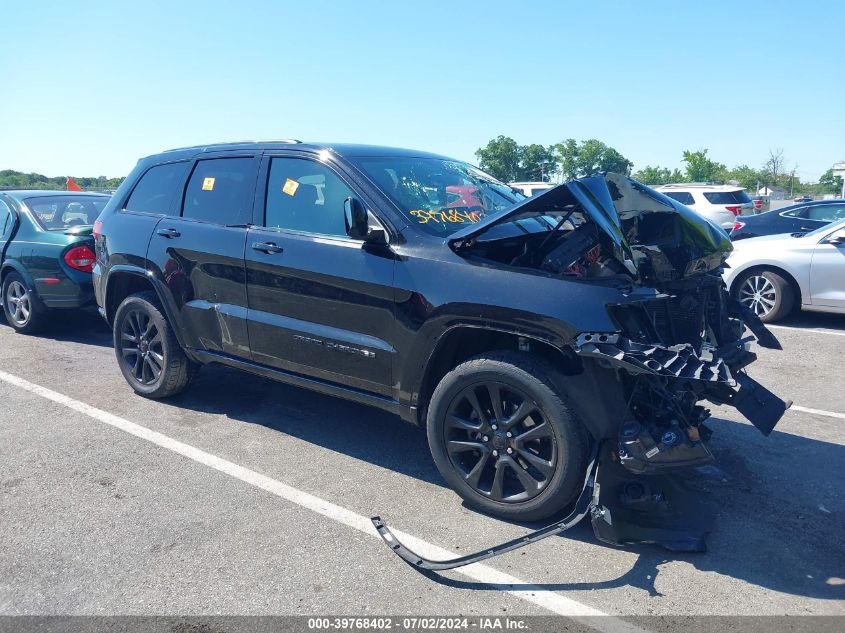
x=157 y=188
x=684 y=197
x=726 y=197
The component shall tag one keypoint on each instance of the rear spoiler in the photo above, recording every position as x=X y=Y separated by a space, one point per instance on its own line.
x=81 y=230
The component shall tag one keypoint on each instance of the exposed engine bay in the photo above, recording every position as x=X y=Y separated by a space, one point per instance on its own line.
x=679 y=342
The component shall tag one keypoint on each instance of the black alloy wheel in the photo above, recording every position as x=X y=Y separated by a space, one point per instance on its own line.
x=498 y=439
x=147 y=351
x=504 y=436
x=141 y=347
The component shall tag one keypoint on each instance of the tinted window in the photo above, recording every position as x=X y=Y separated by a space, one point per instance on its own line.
x=727 y=197
x=305 y=195
x=156 y=189
x=220 y=191
x=800 y=212
x=826 y=212
x=56 y=213
x=5 y=216
x=684 y=197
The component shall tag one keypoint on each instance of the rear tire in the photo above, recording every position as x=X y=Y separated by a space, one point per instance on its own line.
x=519 y=455
x=148 y=354
x=767 y=294
x=20 y=305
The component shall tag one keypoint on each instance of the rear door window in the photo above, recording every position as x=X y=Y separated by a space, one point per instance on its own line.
x=684 y=197
x=826 y=212
x=220 y=191
x=727 y=197
x=157 y=188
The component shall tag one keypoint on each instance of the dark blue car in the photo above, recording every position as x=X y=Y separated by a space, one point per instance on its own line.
x=797 y=218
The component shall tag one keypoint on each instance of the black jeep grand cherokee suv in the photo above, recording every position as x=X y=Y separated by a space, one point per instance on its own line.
x=520 y=332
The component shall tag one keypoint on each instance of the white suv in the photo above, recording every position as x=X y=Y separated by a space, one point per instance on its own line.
x=529 y=189
x=718 y=203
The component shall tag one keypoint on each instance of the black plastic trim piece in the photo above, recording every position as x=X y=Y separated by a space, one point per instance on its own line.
x=581 y=509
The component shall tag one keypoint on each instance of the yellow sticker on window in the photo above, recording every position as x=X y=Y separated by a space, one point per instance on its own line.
x=208 y=184
x=290 y=187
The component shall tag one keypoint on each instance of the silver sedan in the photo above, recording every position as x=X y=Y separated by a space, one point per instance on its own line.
x=775 y=274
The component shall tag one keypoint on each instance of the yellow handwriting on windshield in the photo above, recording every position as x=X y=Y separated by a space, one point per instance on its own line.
x=452 y=216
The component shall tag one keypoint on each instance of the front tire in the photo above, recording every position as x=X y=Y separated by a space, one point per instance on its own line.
x=150 y=358
x=19 y=305
x=767 y=294
x=504 y=437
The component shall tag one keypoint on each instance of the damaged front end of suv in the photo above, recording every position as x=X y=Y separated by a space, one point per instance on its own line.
x=679 y=340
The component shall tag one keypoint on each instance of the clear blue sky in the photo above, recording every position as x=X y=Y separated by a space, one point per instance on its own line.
x=92 y=86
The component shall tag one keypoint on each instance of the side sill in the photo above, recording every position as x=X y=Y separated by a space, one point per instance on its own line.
x=305 y=382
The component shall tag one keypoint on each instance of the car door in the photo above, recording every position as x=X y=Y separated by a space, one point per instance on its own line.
x=320 y=303
x=197 y=253
x=827 y=271
x=803 y=219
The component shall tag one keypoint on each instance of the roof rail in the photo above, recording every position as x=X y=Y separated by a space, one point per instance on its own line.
x=211 y=146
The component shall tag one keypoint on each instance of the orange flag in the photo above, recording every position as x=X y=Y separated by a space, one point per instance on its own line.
x=72 y=186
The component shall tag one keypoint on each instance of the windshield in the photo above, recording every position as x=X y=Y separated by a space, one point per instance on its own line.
x=828 y=228
x=727 y=197
x=57 y=213
x=438 y=195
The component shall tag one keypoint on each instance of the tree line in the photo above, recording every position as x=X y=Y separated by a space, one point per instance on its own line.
x=10 y=179
x=509 y=161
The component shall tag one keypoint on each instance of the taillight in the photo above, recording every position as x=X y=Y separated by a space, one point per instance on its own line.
x=758 y=204
x=81 y=258
x=98 y=228
x=738 y=225
x=734 y=208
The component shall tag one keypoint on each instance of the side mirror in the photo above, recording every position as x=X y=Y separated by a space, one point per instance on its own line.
x=357 y=221
x=838 y=237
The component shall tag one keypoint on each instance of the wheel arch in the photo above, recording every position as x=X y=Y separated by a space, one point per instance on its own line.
x=463 y=341
x=127 y=280
x=790 y=278
x=11 y=265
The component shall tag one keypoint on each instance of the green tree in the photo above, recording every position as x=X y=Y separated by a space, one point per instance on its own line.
x=11 y=179
x=746 y=177
x=501 y=158
x=536 y=162
x=828 y=183
x=649 y=175
x=589 y=157
x=699 y=168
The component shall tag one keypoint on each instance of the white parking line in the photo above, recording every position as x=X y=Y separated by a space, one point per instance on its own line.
x=479 y=572
x=804 y=329
x=830 y=414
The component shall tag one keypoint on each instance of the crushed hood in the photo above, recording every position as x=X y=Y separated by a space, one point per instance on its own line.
x=652 y=235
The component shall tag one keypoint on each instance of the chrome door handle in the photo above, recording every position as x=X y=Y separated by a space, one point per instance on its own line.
x=267 y=247
x=168 y=233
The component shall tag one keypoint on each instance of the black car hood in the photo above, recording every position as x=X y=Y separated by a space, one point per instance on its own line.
x=646 y=228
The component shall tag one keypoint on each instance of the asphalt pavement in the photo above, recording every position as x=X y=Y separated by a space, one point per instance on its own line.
x=244 y=496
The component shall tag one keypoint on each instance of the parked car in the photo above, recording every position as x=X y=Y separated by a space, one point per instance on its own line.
x=529 y=189
x=519 y=334
x=803 y=199
x=761 y=203
x=47 y=253
x=799 y=218
x=720 y=204
x=775 y=274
